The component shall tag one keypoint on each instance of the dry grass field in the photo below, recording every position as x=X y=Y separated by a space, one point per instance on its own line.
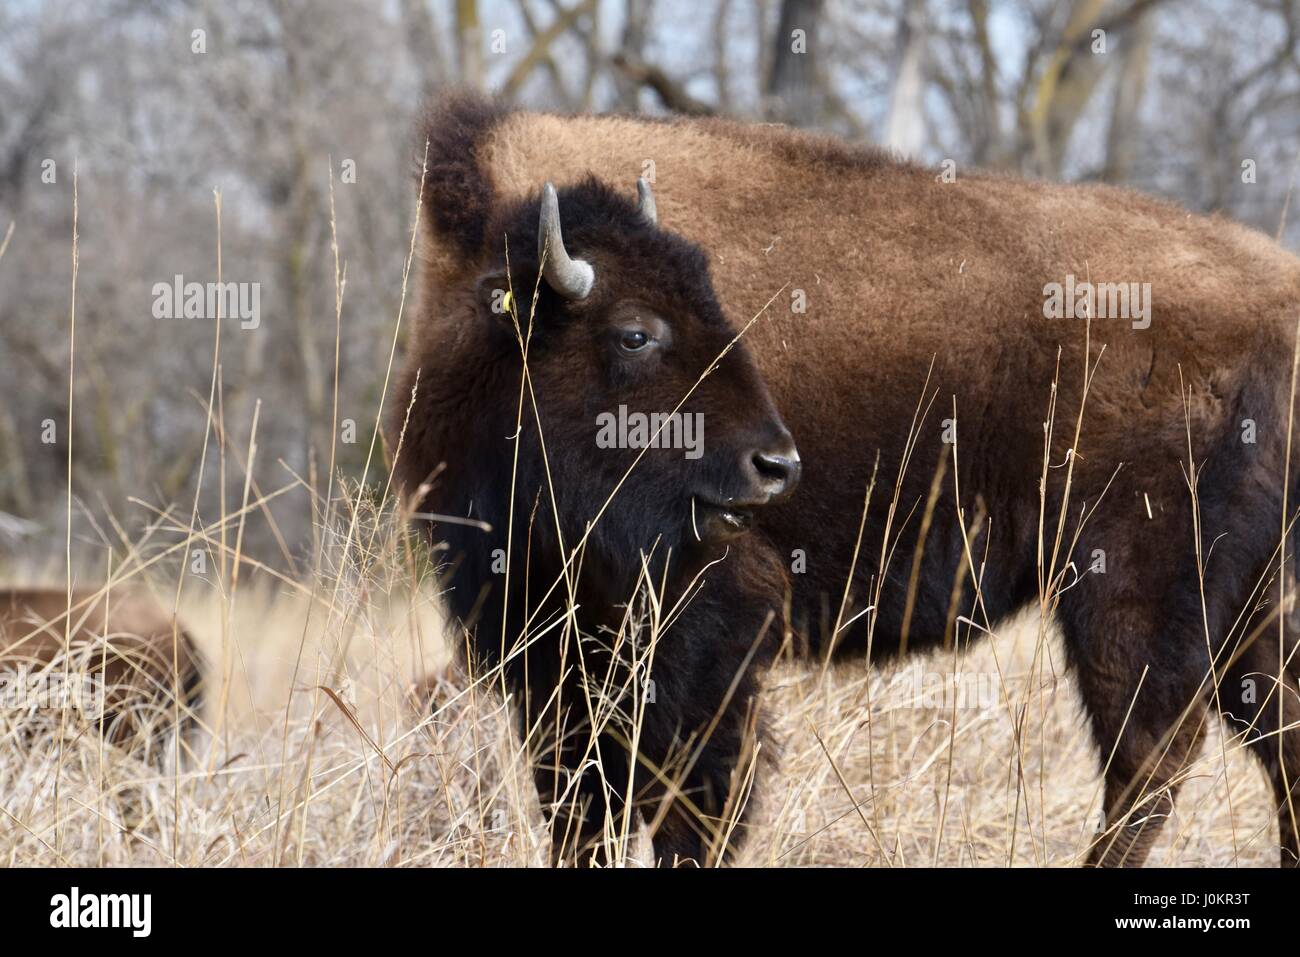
x=338 y=729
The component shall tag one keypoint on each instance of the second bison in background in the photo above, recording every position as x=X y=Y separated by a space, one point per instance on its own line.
x=127 y=669
x=919 y=333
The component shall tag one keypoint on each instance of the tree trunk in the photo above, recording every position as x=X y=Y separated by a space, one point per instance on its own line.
x=469 y=42
x=988 y=148
x=1063 y=89
x=422 y=43
x=905 y=124
x=793 y=87
x=1121 y=137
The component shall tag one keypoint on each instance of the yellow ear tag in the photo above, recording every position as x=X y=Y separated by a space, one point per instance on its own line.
x=507 y=301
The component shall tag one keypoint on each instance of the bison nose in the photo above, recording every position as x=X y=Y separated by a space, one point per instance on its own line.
x=776 y=470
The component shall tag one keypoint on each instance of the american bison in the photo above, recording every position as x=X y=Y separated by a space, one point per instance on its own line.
x=1073 y=397
x=125 y=669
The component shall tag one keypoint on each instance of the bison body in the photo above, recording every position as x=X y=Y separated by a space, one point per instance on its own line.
x=913 y=336
x=141 y=673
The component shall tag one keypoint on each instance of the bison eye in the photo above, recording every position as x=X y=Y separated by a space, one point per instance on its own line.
x=633 y=340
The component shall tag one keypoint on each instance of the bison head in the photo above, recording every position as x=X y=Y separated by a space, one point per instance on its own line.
x=651 y=419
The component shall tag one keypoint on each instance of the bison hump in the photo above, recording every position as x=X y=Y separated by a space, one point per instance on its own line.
x=457 y=194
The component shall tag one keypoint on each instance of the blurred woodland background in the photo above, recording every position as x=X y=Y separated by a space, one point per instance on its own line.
x=158 y=102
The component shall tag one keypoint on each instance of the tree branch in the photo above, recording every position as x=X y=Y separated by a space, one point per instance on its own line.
x=671 y=94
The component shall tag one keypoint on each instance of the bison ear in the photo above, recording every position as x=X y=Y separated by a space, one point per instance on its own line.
x=493 y=288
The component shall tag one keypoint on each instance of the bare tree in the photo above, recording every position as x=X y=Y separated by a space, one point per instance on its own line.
x=1122 y=135
x=422 y=44
x=905 y=122
x=469 y=43
x=794 y=86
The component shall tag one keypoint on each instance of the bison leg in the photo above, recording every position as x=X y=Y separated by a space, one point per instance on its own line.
x=1141 y=785
x=683 y=784
x=684 y=781
x=1255 y=703
x=684 y=787
x=1146 y=707
x=692 y=724
x=696 y=802
x=580 y=783
x=702 y=737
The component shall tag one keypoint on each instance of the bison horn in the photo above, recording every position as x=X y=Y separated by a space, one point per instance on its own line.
x=571 y=278
x=645 y=202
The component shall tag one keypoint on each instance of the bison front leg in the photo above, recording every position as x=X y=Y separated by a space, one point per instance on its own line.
x=696 y=740
x=585 y=816
x=702 y=737
x=664 y=730
x=697 y=801
x=581 y=779
x=1147 y=717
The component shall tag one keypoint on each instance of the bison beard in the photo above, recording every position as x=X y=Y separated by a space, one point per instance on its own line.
x=919 y=291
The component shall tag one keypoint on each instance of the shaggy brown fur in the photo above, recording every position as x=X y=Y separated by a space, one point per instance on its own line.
x=930 y=294
x=516 y=514
x=124 y=640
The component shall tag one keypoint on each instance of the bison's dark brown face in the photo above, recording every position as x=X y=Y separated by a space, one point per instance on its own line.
x=641 y=385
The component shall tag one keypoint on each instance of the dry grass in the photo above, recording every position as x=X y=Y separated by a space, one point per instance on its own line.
x=396 y=783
